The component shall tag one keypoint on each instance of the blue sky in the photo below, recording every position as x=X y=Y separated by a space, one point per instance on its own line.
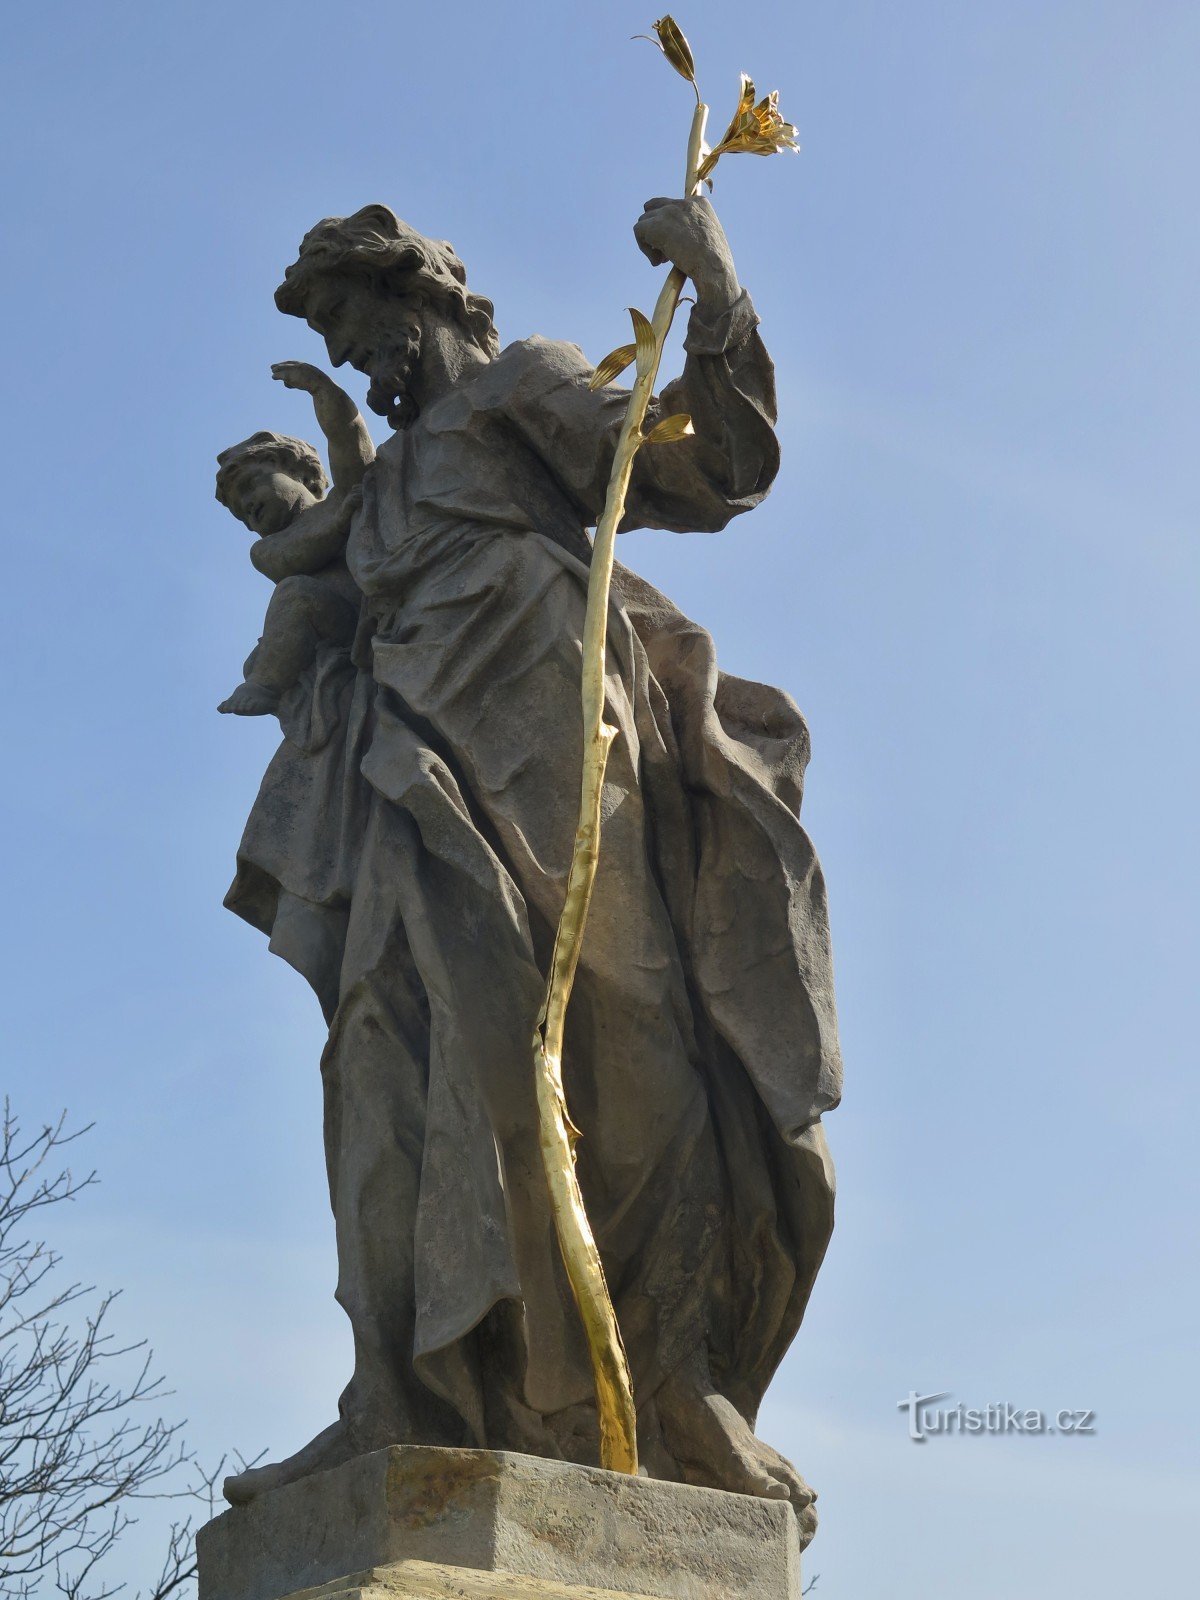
x=977 y=574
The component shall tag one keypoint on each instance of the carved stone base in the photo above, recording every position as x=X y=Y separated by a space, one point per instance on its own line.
x=441 y=1524
x=429 y=1580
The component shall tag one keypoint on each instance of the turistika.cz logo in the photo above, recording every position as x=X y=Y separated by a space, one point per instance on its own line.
x=926 y=1419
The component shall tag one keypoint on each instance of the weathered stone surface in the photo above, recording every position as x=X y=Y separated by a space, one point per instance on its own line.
x=483 y=1511
x=429 y=1580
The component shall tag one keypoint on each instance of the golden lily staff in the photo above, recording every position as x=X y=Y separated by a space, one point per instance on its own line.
x=755 y=129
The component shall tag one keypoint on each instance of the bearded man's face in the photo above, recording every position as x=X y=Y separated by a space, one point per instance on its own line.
x=377 y=332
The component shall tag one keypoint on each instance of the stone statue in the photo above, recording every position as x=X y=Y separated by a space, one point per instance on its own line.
x=408 y=849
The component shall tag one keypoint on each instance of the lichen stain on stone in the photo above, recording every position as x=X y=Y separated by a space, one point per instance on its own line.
x=420 y=1498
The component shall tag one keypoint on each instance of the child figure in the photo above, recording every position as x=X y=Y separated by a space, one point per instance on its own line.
x=276 y=486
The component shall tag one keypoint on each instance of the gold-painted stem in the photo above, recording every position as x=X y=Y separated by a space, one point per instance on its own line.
x=614 y=1390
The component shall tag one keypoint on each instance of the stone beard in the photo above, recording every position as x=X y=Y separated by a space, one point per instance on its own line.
x=389 y=394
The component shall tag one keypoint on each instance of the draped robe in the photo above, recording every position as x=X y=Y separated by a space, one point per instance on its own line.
x=408 y=853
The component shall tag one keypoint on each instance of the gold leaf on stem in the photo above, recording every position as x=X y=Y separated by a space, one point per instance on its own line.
x=643 y=334
x=670 y=429
x=613 y=365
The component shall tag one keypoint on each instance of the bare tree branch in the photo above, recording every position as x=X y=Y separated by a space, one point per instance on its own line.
x=81 y=1440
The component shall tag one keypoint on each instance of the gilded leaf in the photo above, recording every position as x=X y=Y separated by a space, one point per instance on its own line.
x=670 y=429
x=643 y=334
x=675 y=47
x=613 y=365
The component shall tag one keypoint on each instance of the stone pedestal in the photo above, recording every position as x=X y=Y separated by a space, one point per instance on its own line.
x=476 y=1524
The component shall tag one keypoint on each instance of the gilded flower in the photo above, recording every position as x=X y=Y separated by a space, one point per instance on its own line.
x=756 y=129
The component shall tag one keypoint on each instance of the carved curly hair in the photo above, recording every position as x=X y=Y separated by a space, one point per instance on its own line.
x=292 y=456
x=374 y=240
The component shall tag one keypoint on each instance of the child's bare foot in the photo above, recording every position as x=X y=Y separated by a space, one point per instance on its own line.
x=251 y=700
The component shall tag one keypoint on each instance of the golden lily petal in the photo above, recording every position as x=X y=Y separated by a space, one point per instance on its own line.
x=613 y=365
x=643 y=333
x=670 y=429
x=745 y=102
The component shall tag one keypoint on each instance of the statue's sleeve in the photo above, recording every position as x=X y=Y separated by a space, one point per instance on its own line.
x=694 y=485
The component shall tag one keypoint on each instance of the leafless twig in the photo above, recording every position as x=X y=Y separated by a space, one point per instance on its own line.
x=81 y=1439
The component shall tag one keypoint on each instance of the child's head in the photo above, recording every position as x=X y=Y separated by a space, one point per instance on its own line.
x=268 y=479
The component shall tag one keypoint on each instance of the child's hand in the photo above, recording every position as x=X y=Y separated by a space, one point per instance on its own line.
x=351 y=502
x=349 y=442
x=300 y=375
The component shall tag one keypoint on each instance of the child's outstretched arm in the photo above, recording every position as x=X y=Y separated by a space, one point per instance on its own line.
x=351 y=451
